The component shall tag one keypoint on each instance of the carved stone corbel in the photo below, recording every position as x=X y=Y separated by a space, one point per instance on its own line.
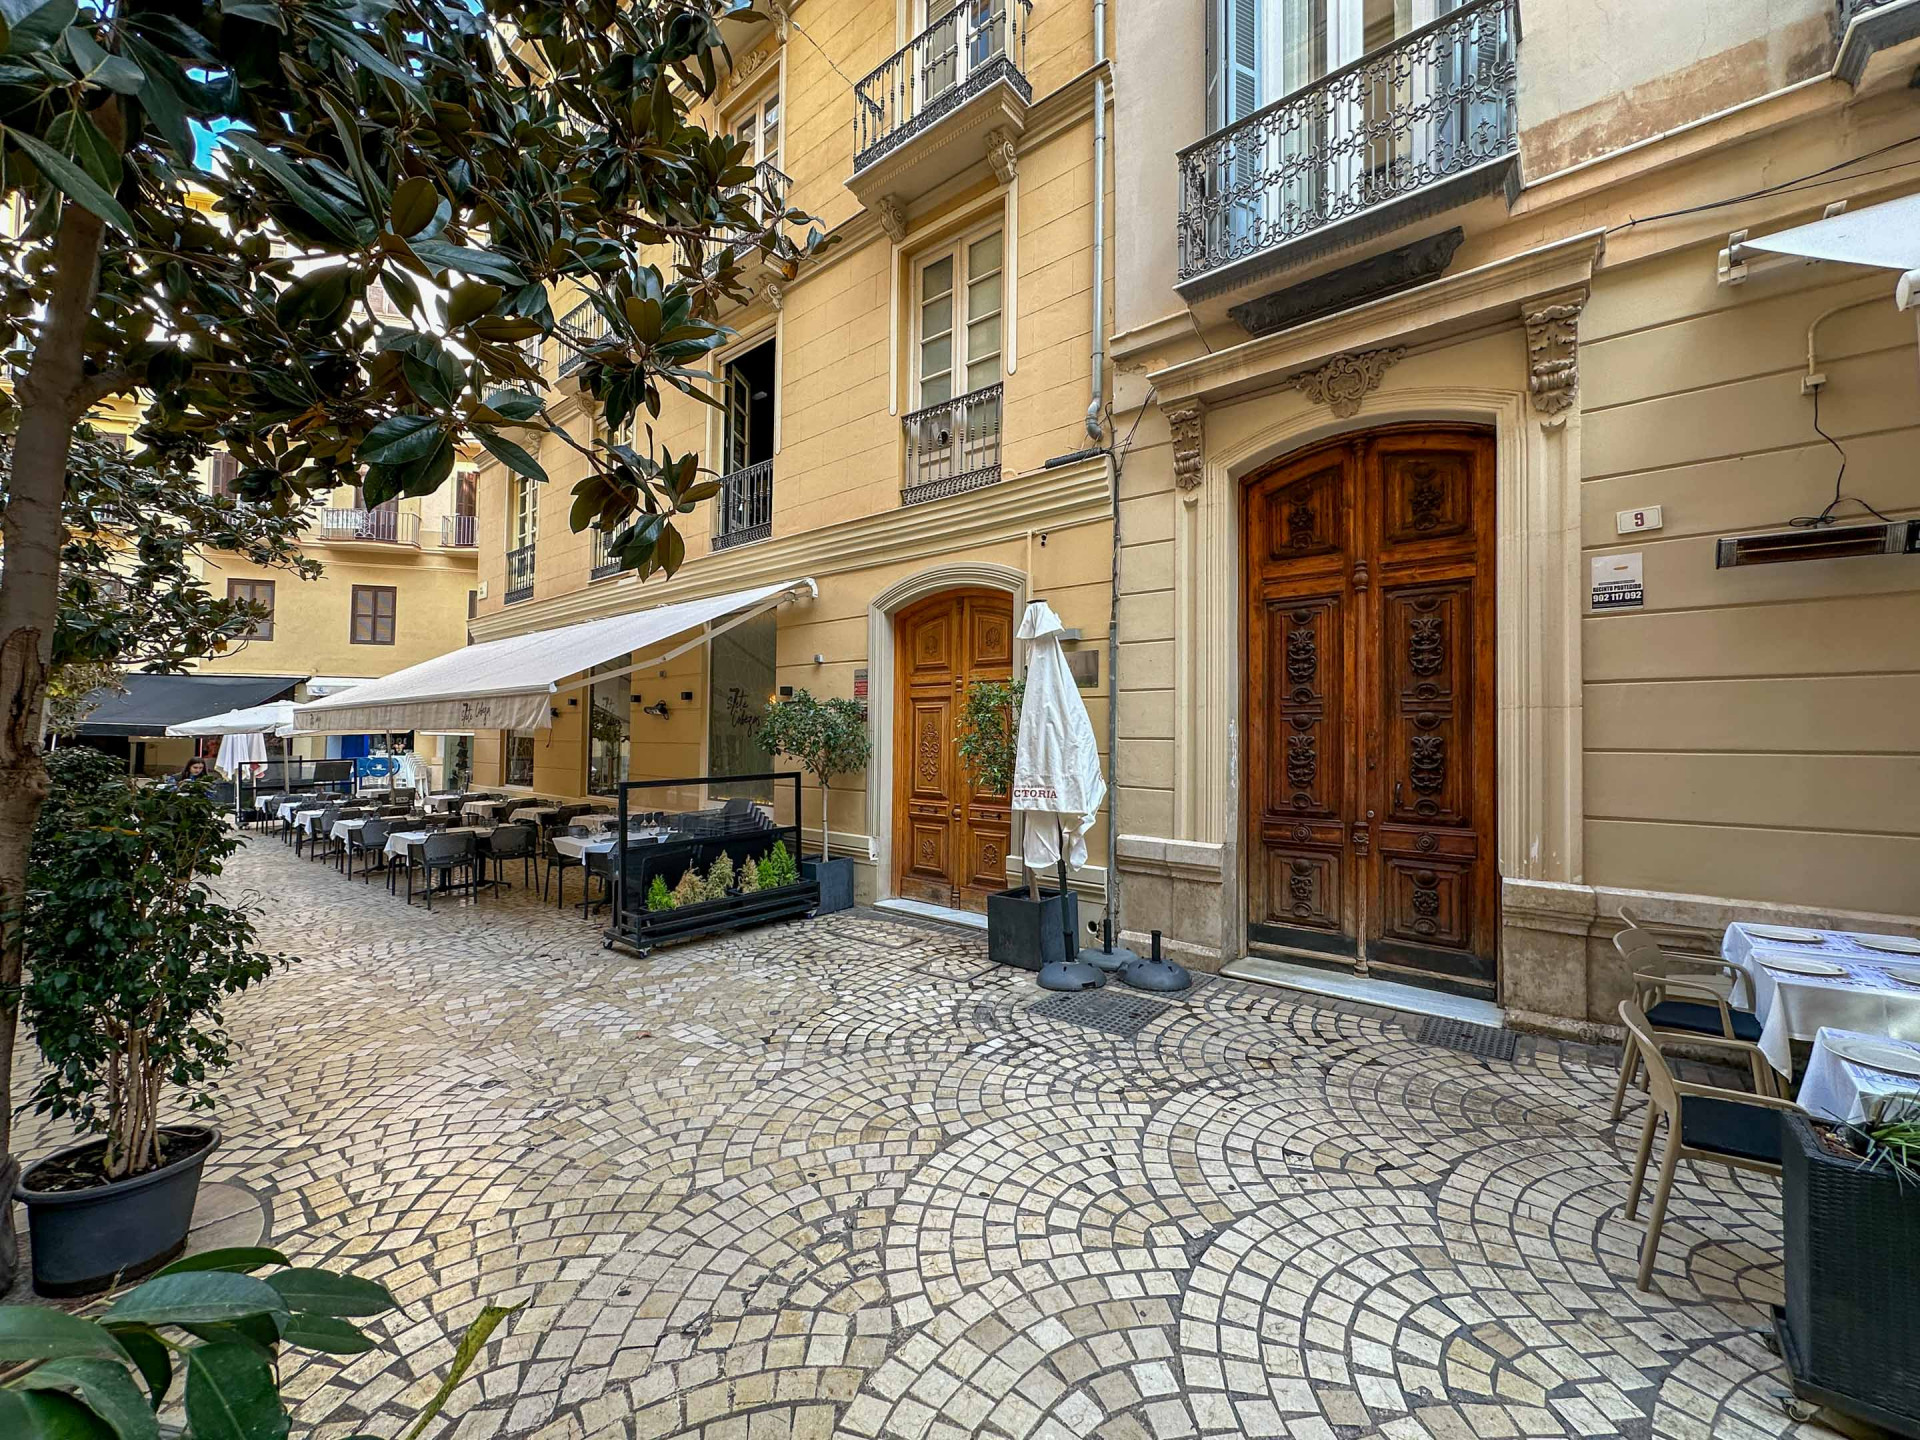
x=893 y=218
x=1344 y=381
x=777 y=294
x=782 y=11
x=1187 y=421
x=1002 y=156
x=1553 y=354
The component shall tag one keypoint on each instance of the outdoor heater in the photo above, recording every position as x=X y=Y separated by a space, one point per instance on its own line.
x=1818 y=542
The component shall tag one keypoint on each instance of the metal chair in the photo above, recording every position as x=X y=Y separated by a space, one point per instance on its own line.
x=511 y=842
x=1704 y=1122
x=599 y=866
x=440 y=856
x=317 y=832
x=561 y=863
x=369 y=841
x=1685 y=1007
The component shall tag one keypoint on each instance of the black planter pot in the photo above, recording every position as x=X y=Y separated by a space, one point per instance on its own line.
x=83 y=1240
x=836 y=882
x=1849 y=1332
x=1026 y=933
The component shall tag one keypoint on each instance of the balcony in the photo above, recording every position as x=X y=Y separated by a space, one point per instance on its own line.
x=1408 y=130
x=378 y=526
x=1864 y=29
x=605 y=563
x=955 y=96
x=744 y=506
x=952 y=447
x=457 y=532
x=519 y=575
x=586 y=325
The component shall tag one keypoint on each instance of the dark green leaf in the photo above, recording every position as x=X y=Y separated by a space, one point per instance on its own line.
x=510 y=454
x=105 y=1387
x=299 y=190
x=470 y=1345
x=414 y=203
x=468 y=260
x=324 y=1332
x=31 y=1332
x=31 y=25
x=260 y=14
x=44 y=1416
x=206 y=1297
x=400 y=439
x=72 y=181
x=160 y=97
x=112 y=71
x=231 y=1395
x=511 y=405
x=240 y=1258
x=321 y=1292
x=153 y=1358
x=469 y=300
x=372 y=190
x=73 y=133
x=262 y=1332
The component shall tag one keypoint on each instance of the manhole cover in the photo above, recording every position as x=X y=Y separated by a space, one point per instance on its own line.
x=1100 y=1010
x=1483 y=1041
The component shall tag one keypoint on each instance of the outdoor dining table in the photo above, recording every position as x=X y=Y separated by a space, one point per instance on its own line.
x=481 y=809
x=1847 y=1090
x=1876 y=992
x=343 y=828
x=443 y=801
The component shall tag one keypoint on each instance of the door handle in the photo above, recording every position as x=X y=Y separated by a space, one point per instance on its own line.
x=1397 y=800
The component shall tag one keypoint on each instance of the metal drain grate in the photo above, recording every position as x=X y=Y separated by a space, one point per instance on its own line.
x=1101 y=1010
x=1483 y=1041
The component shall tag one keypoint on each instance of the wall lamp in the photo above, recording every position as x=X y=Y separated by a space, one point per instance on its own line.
x=659 y=707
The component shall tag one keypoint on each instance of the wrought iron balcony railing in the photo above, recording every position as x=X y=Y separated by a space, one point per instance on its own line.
x=604 y=562
x=744 y=506
x=769 y=180
x=953 y=446
x=941 y=68
x=519 y=575
x=1435 y=104
x=585 y=324
x=380 y=524
x=456 y=532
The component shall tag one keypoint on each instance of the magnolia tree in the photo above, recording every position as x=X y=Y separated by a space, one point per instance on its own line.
x=827 y=737
x=214 y=191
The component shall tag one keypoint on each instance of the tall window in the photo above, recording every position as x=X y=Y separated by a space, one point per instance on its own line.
x=464 y=482
x=373 y=609
x=519 y=757
x=958 y=321
x=222 y=471
x=610 y=729
x=740 y=678
x=524 y=522
x=759 y=126
x=255 y=592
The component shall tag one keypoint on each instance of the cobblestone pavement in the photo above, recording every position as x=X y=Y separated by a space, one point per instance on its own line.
x=838 y=1178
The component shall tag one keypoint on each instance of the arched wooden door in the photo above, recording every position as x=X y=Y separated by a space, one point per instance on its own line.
x=950 y=842
x=1369 y=582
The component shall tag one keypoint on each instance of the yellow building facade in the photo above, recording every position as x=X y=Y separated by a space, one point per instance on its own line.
x=902 y=422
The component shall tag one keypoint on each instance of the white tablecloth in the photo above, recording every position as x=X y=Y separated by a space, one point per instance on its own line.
x=577 y=847
x=343 y=828
x=1837 y=1089
x=401 y=841
x=1796 y=1007
x=441 y=802
x=481 y=809
x=528 y=813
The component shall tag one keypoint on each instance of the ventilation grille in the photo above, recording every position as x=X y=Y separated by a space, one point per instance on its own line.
x=1482 y=1041
x=1103 y=1010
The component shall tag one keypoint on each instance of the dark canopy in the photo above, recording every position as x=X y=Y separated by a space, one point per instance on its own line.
x=153 y=702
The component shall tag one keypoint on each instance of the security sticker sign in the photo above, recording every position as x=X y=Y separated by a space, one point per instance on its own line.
x=1616 y=582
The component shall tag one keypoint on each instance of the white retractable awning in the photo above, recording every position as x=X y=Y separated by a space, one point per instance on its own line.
x=273 y=718
x=509 y=684
x=1886 y=236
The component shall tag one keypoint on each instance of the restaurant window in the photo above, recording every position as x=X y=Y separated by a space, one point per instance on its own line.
x=740 y=680
x=254 y=592
x=610 y=729
x=519 y=757
x=373 y=610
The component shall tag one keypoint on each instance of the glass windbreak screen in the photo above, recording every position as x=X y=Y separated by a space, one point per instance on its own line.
x=740 y=680
x=610 y=730
x=520 y=757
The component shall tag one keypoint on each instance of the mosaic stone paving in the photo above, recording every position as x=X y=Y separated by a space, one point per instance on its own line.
x=837 y=1179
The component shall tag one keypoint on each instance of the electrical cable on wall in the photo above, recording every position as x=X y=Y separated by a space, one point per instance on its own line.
x=1781 y=188
x=1826 y=516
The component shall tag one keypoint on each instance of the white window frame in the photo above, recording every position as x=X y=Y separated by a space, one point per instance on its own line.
x=522 y=488
x=959 y=361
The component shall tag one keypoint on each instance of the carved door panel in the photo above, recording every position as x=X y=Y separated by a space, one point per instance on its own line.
x=950 y=842
x=1370 y=768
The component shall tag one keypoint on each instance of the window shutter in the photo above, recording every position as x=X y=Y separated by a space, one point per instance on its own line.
x=1242 y=69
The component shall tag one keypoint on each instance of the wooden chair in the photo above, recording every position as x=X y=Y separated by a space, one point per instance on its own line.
x=1704 y=1122
x=1685 y=1006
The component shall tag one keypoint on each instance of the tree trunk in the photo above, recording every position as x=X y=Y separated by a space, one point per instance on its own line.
x=51 y=403
x=826 y=835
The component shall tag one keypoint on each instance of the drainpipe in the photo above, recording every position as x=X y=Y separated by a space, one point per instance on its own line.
x=1097 y=405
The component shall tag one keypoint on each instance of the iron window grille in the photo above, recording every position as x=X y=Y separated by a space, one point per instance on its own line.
x=386 y=526
x=585 y=324
x=958 y=56
x=605 y=563
x=457 y=532
x=744 y=506
x=1434 y=104
x=519 y=575
x=953 y=447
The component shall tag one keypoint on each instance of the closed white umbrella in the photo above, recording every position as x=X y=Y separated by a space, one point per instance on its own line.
x=241 y=748
x=1057 y=783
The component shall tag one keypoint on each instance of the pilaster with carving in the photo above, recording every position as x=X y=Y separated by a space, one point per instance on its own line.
x=1553 y=354
x=1346 y=380
x=1187 y=421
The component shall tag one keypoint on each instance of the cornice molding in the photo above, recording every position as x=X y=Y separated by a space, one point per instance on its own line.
x=1039 y=499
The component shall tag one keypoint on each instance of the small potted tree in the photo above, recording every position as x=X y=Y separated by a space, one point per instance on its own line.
x=130 y=957
x=828 y=738
x=1025 y=928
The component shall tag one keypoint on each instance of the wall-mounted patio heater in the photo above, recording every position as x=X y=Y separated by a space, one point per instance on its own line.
x=1818 y=542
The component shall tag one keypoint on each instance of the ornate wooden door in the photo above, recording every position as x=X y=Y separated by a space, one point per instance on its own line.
x=950 y=841
x=1369 y=705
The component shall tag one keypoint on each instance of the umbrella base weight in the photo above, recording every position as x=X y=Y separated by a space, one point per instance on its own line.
x=1027 y=933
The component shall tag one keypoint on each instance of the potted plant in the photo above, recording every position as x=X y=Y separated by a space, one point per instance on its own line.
x=130 y=958
x=1025 y=928
x=828 y=738
x=1850 y=1213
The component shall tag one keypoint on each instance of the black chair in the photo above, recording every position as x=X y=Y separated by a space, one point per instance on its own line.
x=510 y=842
x=393 y=812
x=316 y=831
x=440 y=857
x=370 y=842
x=560 y=863
x=599 y=866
